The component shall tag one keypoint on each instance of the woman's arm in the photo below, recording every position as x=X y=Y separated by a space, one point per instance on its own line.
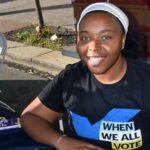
x=36 y=120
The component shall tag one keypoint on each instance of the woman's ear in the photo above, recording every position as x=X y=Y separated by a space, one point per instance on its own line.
x=123 y=42
x=77 y=37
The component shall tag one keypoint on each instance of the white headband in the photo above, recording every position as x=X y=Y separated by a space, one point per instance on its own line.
x=108 y=7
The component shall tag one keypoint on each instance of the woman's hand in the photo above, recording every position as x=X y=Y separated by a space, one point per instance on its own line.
x=72 y=144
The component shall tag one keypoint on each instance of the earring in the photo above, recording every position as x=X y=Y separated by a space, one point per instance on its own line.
x=122 y=47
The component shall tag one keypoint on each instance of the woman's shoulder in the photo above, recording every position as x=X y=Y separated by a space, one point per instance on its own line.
x=141 y=64
x=140 y=68
x=75 y=70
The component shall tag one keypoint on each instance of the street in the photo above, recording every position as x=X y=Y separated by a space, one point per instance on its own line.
x=55 y=13
x=18 y=88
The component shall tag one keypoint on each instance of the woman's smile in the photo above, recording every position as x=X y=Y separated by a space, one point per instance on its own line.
x=95 y=60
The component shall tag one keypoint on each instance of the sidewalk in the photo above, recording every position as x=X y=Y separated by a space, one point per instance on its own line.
x=42 y=59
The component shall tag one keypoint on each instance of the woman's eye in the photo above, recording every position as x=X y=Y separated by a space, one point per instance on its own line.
x=84 y=38
x=105 y=38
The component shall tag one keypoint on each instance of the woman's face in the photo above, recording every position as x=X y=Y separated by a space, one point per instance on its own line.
x=99 y=42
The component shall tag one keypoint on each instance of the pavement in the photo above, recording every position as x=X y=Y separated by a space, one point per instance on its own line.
x=42 y=59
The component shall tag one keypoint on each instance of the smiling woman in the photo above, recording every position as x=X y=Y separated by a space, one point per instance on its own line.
x=100 y=41
x=105 y=94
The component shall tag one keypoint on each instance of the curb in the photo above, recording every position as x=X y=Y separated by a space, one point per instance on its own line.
x=41 y=59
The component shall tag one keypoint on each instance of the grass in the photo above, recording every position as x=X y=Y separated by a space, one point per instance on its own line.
x=48 y=37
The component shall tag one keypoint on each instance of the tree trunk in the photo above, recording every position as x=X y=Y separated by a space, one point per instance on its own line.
x=39 y=13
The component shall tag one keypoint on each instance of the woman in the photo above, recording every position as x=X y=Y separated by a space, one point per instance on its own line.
x=105 y=94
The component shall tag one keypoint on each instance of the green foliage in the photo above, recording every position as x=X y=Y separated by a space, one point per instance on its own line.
x=41 y=38
x=21 y=36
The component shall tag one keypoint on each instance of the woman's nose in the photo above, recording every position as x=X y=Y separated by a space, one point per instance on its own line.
x=94 y=45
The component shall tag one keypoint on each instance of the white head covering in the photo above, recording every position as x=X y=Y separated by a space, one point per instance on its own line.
x=107 y=7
